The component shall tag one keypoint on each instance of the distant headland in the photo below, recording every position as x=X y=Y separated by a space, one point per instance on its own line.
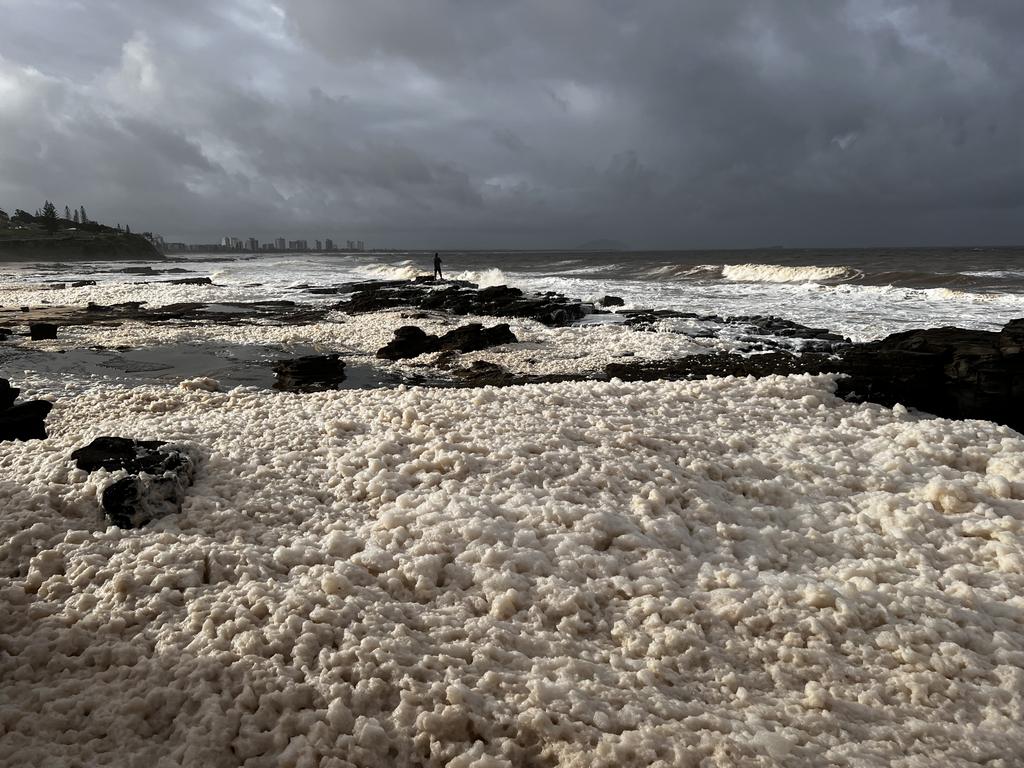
x=48 y=235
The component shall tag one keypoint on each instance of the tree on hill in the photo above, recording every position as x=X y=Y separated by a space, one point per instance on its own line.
x=76 y=216
x=50 y=217
x=85 y=219
x=67 y=213
x=127 y=229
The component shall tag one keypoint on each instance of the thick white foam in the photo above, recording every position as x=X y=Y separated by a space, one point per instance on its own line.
x=729 y=572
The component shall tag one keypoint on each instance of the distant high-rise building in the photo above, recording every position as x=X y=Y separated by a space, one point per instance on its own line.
x=319 y=246
x=236 y=243
x=360 y=245
x=226 y=242
x=279 y=243
x=350 y=245
x=329 y=244
x=253 y=244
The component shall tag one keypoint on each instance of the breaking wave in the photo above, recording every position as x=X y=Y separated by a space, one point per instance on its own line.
x=405 y=271
x=776 y=273
x=485 y=278
x=410 y=271
x=751 y=273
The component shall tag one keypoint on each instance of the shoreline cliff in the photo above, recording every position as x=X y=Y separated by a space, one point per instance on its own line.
x=78 y=247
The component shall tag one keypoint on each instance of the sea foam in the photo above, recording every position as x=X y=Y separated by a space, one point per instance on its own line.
x=727 y=572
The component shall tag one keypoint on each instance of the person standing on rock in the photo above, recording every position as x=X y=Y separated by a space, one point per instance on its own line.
x=437 y=268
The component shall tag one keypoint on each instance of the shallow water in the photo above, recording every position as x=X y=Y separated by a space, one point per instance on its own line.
x=230 y=365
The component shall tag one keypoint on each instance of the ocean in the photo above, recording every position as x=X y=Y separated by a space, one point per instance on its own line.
x=863 y=294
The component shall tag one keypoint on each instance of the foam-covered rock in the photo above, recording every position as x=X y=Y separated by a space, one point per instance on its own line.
x=947 y=371
x=158 y=475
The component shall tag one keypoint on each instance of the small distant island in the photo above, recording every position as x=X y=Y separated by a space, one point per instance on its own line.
x=47 y=235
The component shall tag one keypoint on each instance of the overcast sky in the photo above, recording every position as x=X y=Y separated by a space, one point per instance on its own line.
x=522 y=123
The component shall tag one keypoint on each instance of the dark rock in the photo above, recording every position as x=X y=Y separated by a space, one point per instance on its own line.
x=24 y=421
x=765 y=326
x=498 y=294
x=462 y=298
x=312 y=373
x=612 y=301
x=139 y=271
x=949 y=372
x=719 y=364
x=474 y=337
x=484 y=374
x=411 y=341
x=122 y=308
x=8 y=394
x=777 y=326
x=83 y=283
x=236 y=313
x=114 y=453
x=5 y=332
x=159 y=475
x=42 y=331
x=191 y=281
x=645 y=319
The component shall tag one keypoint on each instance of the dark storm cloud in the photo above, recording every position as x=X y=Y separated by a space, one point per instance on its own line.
x=522 y=123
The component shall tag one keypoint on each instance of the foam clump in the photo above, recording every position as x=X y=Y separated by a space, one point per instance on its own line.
x=200 y=384
x=724 y=572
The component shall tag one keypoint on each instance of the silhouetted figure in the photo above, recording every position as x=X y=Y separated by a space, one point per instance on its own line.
x=437 y=268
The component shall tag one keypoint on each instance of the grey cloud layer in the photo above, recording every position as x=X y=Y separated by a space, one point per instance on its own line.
x=448 y=123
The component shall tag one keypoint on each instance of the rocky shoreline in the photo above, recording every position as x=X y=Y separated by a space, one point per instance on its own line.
x=947 y=372
x=745 y=567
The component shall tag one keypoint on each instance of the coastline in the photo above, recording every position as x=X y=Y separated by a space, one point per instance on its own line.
x=84 y=247
x=586 y=573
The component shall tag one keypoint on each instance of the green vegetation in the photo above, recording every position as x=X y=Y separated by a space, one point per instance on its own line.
x=49 y=217
x=47 y=235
